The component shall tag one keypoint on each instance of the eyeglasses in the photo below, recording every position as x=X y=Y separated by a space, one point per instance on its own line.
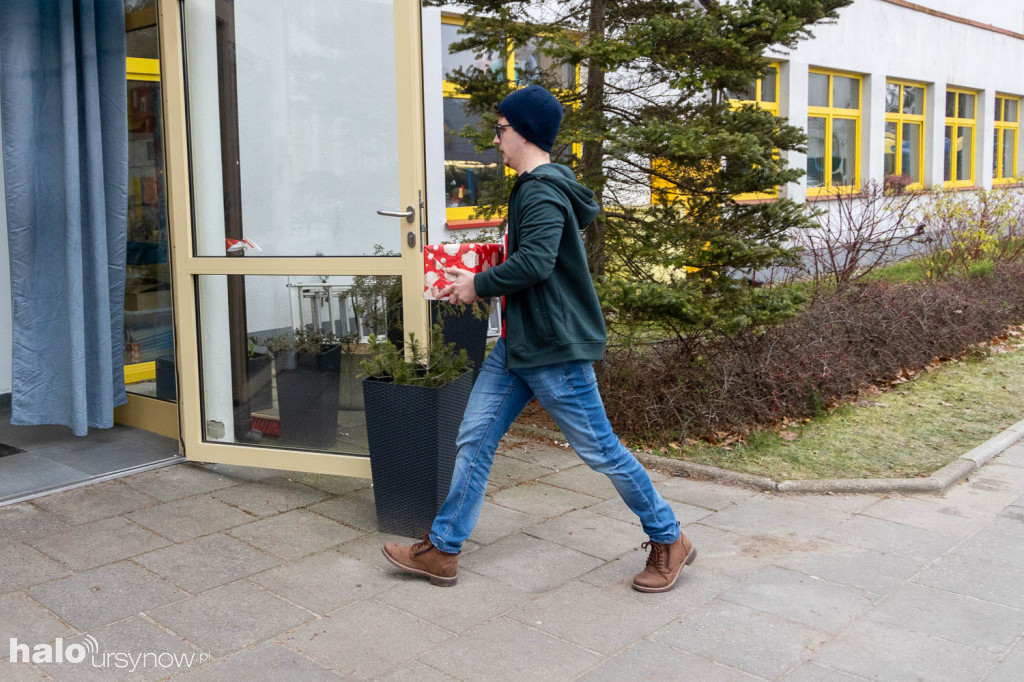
x=498 y=128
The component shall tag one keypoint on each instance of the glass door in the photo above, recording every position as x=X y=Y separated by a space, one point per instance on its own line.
x=295 y=162
x=148 y=320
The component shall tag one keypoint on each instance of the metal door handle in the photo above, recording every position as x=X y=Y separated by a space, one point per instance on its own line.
x=409 y=214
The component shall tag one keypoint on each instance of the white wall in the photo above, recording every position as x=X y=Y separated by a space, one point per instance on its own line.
x=6 y=323
x=433 y=124
x=1008 y=14
x=879 y=40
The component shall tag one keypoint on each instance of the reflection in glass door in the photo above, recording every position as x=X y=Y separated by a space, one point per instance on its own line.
x=148 y=328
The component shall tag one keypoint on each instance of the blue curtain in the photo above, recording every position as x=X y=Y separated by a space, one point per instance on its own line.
x=65 y=147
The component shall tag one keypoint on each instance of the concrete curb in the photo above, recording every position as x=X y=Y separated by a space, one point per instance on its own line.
x=944 y=478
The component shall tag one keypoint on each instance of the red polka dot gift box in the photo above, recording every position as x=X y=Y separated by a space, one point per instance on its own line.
x=472 y=257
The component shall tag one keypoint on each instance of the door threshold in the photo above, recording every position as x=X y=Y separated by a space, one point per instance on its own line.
x=23 y=497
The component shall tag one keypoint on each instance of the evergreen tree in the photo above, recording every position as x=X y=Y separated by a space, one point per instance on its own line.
x=650 y=109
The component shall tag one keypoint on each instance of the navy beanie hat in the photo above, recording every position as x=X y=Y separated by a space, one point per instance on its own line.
x=535 y=114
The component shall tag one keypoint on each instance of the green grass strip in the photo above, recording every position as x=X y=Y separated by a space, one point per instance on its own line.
x=910 y=430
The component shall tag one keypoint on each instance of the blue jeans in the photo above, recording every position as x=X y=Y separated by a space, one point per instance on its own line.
x=568 y=391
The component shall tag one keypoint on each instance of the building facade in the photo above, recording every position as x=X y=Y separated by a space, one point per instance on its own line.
x=324 y=134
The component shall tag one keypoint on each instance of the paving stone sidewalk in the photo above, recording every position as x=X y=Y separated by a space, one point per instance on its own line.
x=225 y=573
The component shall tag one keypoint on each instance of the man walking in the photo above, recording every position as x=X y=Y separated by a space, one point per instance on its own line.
x=552 y=333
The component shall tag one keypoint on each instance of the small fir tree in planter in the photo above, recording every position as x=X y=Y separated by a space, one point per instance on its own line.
x=414 y=407
x=308 y=370
x=465 y=326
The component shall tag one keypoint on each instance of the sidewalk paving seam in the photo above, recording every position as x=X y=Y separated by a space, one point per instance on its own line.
x=939 y=481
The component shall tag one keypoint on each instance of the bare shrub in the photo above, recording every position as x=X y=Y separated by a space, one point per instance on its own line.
x=865 y=333
x=858 y=233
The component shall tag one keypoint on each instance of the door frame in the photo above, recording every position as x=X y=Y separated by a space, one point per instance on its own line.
x=143 y=412
x=186 y=267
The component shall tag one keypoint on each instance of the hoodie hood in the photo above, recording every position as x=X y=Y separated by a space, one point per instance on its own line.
x=581 y=198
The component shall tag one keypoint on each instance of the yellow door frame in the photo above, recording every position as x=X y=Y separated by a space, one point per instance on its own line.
x=187 y=267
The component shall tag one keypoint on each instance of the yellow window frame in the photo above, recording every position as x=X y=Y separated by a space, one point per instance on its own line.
x=899 y=118
x=1000 y=176
x=139 y=69
x=772 y=107
x=956 y=122
x=831 y=113
x=451 y=91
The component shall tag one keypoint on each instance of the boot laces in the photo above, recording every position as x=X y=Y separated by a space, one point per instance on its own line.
x=658 y=556
x=423 y=546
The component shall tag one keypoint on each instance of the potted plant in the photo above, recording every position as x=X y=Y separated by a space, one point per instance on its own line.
x=466 y=326
x=414 y=407
x=308 y=370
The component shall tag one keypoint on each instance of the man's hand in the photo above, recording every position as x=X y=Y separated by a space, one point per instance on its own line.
x=461 y=290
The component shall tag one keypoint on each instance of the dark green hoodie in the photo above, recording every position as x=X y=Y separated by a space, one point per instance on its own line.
x=552 y=313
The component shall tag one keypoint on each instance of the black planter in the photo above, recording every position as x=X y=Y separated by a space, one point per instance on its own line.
x=395 y=336
x=464 y=329
x=166 y=381
x=307 y=397
x=261 y=396
x=411 y=432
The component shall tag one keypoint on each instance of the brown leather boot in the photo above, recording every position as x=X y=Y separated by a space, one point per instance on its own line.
x=426 y=560
x=664 y=564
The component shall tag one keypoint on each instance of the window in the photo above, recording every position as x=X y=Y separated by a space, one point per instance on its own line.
x=1005 y=137
x=466 y=169
x=833 y=132
x=904 y=133
x=762 y=93
x=958 y=142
